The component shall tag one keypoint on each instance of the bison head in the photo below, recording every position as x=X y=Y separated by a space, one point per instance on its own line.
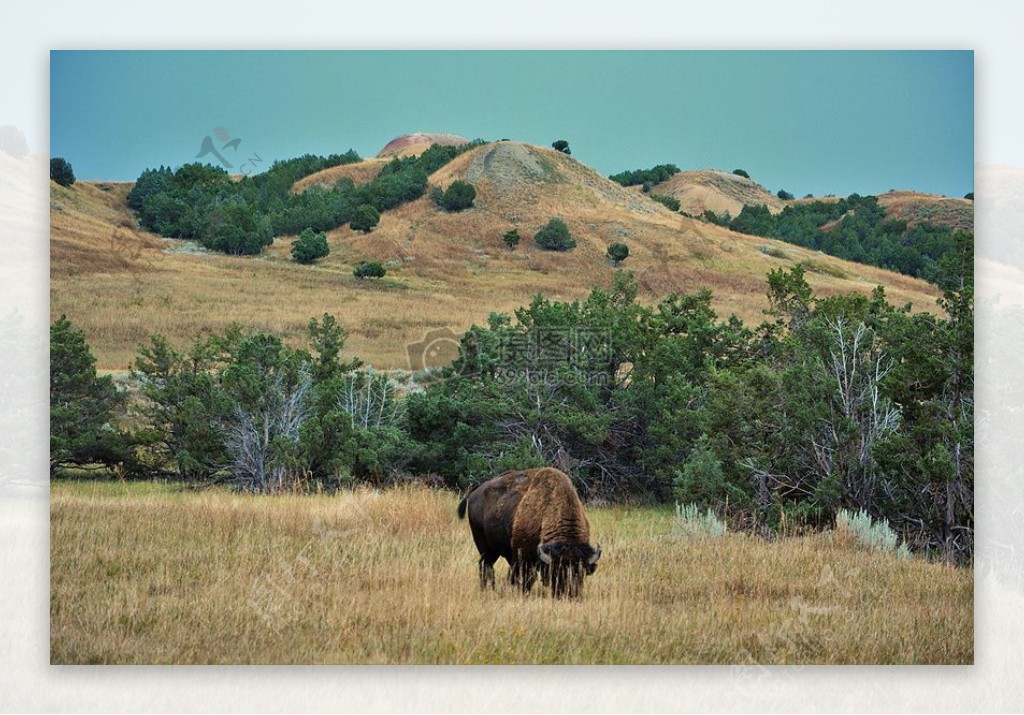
x=567 y=565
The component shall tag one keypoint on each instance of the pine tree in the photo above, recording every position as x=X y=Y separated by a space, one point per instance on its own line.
x=82 y=405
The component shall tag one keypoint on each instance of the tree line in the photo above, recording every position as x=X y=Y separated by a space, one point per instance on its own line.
x=202 y=202
x=646 y=177
x=831 y=403
x=854 y=228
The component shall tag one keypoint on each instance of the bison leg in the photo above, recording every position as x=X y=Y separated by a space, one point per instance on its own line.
x=522 y=574
x=487 y=570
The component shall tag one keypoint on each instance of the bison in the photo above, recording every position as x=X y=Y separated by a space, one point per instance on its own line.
x=535 y=520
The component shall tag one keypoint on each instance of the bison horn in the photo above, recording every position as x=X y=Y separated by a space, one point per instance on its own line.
x=595 y=556
x=542 y=552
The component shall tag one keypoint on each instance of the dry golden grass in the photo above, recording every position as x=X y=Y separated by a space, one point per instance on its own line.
x=444 y=270
x=914 y=207
x=362 y=172
x=151 y=574
x=718 y=191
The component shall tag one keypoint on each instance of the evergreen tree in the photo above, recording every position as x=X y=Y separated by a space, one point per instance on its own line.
x=82 y=405
x=310 y=246
x=61 y=171
x=618 y=252
x=555 y=236
x=459 y=196
x=369 y=269
x=364 y=218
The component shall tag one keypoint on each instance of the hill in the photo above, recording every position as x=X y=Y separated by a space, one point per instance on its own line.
x=718 y=191
x=417 y=143
x=914 y=208
x=92 y=232
x=445 y=270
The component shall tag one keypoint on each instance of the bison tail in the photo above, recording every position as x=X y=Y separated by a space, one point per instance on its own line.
x=465 y=499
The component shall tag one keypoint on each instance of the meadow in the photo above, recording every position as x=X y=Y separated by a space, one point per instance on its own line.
x=158 y=573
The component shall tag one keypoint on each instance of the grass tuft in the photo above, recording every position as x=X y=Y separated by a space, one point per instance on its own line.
x=858 y=529
x=824 y=268
x=690 y=523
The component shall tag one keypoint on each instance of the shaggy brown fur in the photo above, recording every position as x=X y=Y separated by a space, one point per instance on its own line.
x=535 y=521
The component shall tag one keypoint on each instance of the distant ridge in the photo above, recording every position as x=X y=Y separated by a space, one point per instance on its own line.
x=715 y=190
x=418 y=142
x=915 y=207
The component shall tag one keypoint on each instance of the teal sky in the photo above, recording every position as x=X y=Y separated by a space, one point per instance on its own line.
x=807 y=122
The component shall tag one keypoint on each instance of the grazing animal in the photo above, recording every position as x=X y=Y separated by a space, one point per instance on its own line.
x=535 y=520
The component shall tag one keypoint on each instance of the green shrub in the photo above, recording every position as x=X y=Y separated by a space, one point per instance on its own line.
x=722 y=219
x=702 y=479
x=234 y=227
x=690 y=523
x=555 y=236
x=244 y=405
x=61 y=171
x=741 y=172
x=672 y=204
x=785 y=195
x=520 y=455
x=364 y=218
x=867 y=533
x=460 y=195
x=369 y=269
x=646 y=177
x=511 y=239
x=618 y=252
x=969 y=196
x=310 y=246
x=561 y=145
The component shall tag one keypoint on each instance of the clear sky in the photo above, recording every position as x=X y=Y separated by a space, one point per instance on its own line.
x=807 y=122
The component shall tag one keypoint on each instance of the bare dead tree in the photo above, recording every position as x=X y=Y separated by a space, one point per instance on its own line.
x=860 y=415
x=258 y=436
x=370 y=401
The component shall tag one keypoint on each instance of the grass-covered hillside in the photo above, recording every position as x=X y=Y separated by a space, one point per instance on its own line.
x=121 y=283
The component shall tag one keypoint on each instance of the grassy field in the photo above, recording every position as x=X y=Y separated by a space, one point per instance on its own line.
x=145 y=573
